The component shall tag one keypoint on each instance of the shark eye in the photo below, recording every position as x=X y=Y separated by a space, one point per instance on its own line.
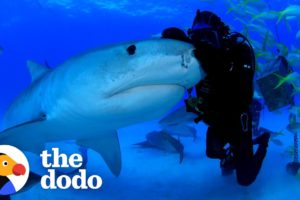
x=5 y=163
x=131 y=49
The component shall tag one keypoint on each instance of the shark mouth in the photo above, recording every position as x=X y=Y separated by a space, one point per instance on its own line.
x=150 y=87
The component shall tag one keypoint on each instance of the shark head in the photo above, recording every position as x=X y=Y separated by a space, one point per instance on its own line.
x=134 y=78
x=153 y=63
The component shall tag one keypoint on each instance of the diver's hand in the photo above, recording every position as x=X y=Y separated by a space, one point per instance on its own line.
x=175 y=33
x=209 y=56
x=193 y=104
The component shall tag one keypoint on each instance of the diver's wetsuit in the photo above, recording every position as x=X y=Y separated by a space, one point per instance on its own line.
x=256 y=108
x=226 y=94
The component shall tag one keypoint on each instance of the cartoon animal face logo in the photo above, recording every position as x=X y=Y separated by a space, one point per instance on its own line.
x=14 y=170
x=8 y=166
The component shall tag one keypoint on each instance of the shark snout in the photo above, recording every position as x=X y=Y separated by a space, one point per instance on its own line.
x=191 y=69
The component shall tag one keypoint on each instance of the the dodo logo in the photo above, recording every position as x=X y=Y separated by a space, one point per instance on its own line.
x=14 y=170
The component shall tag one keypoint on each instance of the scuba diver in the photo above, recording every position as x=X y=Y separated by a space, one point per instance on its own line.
x=223 y=98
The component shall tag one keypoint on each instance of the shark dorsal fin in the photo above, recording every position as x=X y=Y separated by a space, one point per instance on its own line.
x=36 y=70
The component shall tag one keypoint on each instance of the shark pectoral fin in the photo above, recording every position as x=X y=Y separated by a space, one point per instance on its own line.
x=108 y=147
x=41 y=117
x=25 y=135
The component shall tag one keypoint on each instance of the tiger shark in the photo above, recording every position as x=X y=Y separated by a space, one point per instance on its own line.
x=90 y=96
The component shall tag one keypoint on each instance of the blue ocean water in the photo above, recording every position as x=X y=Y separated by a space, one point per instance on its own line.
x=52 y=31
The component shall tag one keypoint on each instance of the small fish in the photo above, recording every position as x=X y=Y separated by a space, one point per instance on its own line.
x=291 y=18
x=260 y=28
x=181 y=131
x=265 y=42
x=295 y=109
x=296 y=90
x=266 y=15
x=292 y=10
x=283 y=49
x=236 y=9
x=289 y=151
x=163 y=141
x=273 y=133
x=287 y=24
x=294 y=58
x=257 y=95
x=290 y=78
x=254 y=3
x=266 y=55
x=295 y=49
x=293 y=128
x=277 y=142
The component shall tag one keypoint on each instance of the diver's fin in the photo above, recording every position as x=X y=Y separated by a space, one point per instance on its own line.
x=36 y=70
x=17 y=136
x=108 y=146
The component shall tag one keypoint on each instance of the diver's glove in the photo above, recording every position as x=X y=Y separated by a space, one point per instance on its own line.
x=209 y=57
x=175 y=33
x=193 y=104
